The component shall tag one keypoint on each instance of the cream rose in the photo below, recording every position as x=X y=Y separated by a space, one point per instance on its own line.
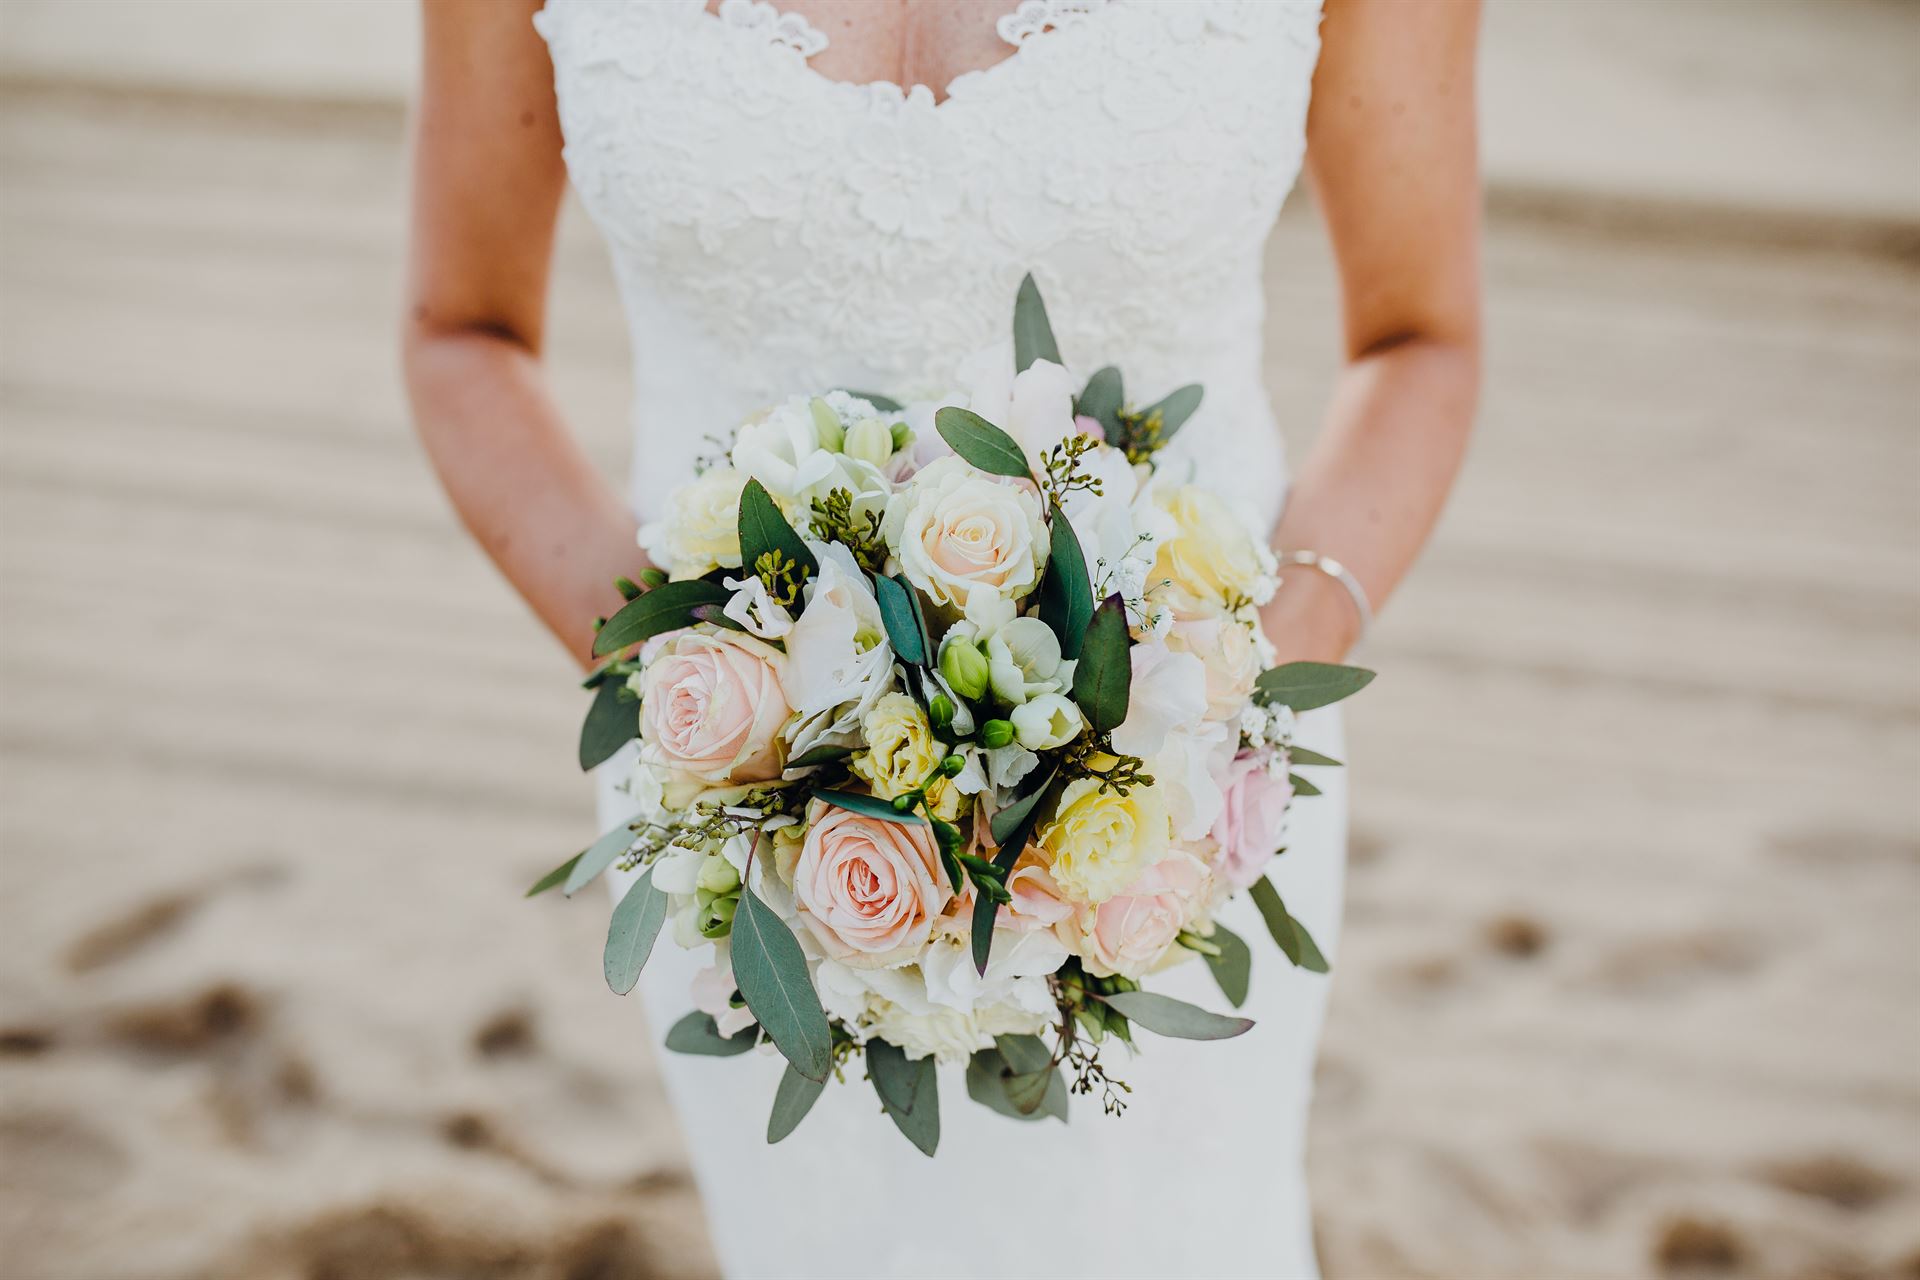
x=901 y=752
x=701 y=530
x=866 y=888
x=1130 y=933
x=1099 y=841
x=1226 y=647
x=1210 y=558
x=958 y=532
x=712 y=708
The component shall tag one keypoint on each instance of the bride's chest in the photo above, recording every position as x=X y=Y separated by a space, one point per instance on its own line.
x=1148 y=126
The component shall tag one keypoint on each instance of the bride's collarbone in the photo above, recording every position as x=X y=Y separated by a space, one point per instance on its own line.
x=902 y=42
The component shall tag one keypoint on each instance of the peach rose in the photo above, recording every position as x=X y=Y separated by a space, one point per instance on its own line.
x=868 y=889
x=1227 y=649
x=1129 y=933
x=1252 y=820
x=712 y=708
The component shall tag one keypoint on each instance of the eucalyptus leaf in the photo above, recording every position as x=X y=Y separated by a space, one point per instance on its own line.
x=771 y=972
x=1011 y=819
x=902 y=620
x=631 y=932
x=981 y=443
x=871 y=806
x=1066 y=593
x=1102 y=401
x=1301 y=787
x=764 y=530
x=1105 y=670
x=1301 y=756
x=895 y=1079
x=1292 y=936
x=885 y=404
x=697 y=1033
x=667 y=607
x=1233 y=967
x=825 y=753
x=1310 y=957
x=1174 y=410
x=1032 y=332
x=1172 y=1017
x=791 y=1102
x=612 y=722
x=987 y=1076
x=1012 y=827
x=597 y=857
x=1030 y=1071
x=922 y=1124
x=557 y=876
x=1307 y=685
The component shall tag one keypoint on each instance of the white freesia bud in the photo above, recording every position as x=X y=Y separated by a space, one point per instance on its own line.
x=826 y=423
x=1050 y=720
x=870 y=440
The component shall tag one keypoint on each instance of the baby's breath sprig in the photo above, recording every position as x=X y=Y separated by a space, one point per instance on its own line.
x=1093 y=756
x=835 y=520
x=1066 y=470
x=783 y=577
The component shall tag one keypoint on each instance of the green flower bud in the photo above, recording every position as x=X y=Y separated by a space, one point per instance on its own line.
x=717 y=920
x=940 y=712
x=946 y=835
x=952 y=765
x=870 y=441
x=905 y=803
x=652 y=577
x=995 y=734
x=827 y=423
x=965 y=667
x=902 y=435
x=717 y=875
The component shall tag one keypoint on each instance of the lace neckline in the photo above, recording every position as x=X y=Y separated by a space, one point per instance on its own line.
x=773 y=26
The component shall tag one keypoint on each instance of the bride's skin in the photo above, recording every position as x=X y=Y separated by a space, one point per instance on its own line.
x=1390 y=145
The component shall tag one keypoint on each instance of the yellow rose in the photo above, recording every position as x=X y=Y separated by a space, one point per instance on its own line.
x=701 y=530
x=1212 y=558
x=901 y=750
x=1099 y=841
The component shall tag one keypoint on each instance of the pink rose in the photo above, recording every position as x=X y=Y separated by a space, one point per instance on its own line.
x=867 y=888
x=713 y=707
x=1252 y=820
x=1130 y=932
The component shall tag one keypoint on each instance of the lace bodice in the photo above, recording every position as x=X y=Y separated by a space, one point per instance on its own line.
x=774 y=230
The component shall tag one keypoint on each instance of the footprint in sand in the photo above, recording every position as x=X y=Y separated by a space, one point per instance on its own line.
x=1838 y=1179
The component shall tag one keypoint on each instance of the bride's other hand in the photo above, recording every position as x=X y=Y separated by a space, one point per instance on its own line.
x=1391 y=147
x=488 y=179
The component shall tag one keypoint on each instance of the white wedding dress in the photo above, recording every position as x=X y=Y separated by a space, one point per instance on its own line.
x=776 y=231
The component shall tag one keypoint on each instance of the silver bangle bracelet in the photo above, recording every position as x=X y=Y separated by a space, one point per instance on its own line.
x=1340 y=574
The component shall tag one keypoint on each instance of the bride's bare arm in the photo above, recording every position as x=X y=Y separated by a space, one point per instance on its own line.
x=487 y=185
x=1391 y=146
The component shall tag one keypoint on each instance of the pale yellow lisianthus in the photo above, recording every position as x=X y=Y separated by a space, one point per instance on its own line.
x=901 y=752
x=1212 y=559
x=701 y=529
x=1099 y=841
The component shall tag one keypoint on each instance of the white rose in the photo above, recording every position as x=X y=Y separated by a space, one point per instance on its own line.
x=1167 y=691
x=701 y=530
x=958 y=533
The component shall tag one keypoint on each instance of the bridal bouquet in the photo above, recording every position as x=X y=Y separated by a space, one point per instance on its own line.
x=949 y=740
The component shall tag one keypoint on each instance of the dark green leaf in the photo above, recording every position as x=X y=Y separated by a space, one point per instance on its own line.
x=895 y=1079
x=987 y=1077
x=1233 y=967
x=1174 y=411
x=667 y=607
x=1302 y=756
x=716 y=614
x=1292 y=936
x=630 y=934
x=556 y=876
x=1066 y=595
x=771 y=971
x=826 y=753
x=1016 y=816
x=764 y=530
x=1101 y=679
x=612 y=721
x=791 y=1102
x=871 y=806
x=599 y=855
x=886 y=404
x=1172 y=1017
x=1030 y=1071
x=1102 y=401
x=697 y=1033
x=1012 y=827
x=1032 y=334
x=1306 y=685
x=1301 y=787
x=981 y=443
x=1310 y=958
x=922 y=1124
x=902 y=619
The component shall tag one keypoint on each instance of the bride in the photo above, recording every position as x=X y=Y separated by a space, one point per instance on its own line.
x=783 y=214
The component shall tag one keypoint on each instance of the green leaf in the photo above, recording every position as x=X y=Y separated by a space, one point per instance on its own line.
x=1105 y=670
x=981 y=443
x=1174 y=410
x=987 y=1075
x=922 y=1124
x=895 y=1079
x=1301 y=787
x=763 y=529
x=697 y=1033
x=791 y=1102
x=871 y=806
x=886 y=404
x=1012 y=827
x=667 y=607
x=901 y=614
x=1066 y=594
x=771 y=971
x=612 y=721
x=1032 y=333
x=1292 y=936
x=1012 y=819
x=597 y=857
x=1233 y=967
x=1307 y=685
x=630 y=934
x=1102 y=401
x=1302 y=756
x=1172 y=1017
x=556 y=876
x=825 y=753
x=1030 y=1071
